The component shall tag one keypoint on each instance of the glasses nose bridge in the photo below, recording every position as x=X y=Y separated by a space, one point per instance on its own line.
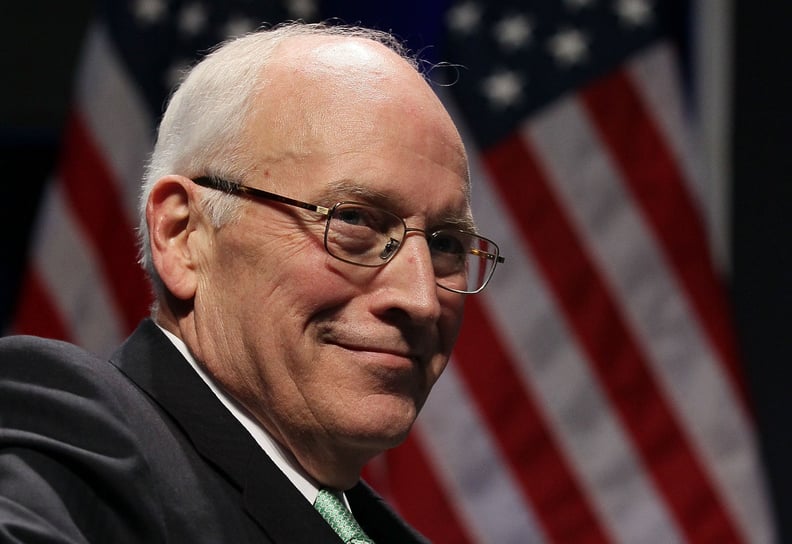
x=408 y=230
x=428 y=264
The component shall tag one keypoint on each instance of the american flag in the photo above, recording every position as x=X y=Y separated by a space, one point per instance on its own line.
x=595 y=394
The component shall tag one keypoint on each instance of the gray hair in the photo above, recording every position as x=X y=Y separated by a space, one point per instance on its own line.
x=200 y=132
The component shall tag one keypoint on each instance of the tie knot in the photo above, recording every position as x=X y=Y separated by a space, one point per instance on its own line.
x=330 y=505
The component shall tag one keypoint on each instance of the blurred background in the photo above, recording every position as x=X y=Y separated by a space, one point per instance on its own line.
x=625 y=378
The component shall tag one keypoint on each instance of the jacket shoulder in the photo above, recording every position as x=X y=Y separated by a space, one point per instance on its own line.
x=69 y=453
x=86 y=454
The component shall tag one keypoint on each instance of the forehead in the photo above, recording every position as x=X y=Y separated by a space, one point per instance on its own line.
x=318 y=82
x=364 y=123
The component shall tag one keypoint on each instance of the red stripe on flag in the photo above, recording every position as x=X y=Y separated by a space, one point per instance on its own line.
x=92 y=194
x=36 y=313
x=615 y=355
x=518 y=425
x=429 y=510
x=650 y=171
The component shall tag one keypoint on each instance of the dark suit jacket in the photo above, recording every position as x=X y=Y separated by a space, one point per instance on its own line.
x=140 y=450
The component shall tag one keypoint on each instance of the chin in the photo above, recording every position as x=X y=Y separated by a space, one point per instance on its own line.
x=376 y=443
x=385 y=429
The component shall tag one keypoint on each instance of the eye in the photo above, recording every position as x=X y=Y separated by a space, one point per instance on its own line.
x=354 y=216
x=367 y=217
x=448 y=243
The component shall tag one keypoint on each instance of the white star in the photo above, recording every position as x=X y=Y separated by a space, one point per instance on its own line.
x=503 y=88
x=192 y=18
x=302 y=9
x=464 y=18
x=149 y=11
x=578 y=4
x=634 y=12
x=514 y=32
x=238 y=25
x=569 y=47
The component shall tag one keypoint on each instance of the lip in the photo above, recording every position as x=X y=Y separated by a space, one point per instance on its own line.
x=386 y=356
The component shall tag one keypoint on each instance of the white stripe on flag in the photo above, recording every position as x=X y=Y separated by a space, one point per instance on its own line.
x=115 y=115
x=713 y=65
x=66 y=265
x=662 y=95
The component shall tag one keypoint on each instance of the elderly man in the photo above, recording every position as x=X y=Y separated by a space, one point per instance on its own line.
x=306 y=225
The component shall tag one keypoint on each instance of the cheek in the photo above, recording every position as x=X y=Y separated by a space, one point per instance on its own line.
x=449 y=327
x=451 y=319
x=284 y=266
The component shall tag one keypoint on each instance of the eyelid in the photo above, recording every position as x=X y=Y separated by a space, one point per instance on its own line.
x=463 y=224
x=344 y=190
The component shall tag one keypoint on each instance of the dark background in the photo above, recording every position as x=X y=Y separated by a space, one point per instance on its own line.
x=41 y=46
x=762 y=229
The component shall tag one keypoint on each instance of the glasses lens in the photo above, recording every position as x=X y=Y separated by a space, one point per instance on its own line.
x=370 y=236
x=364 y=235
x=463 y=262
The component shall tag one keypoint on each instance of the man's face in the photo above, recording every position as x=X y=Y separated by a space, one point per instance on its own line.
x=325 y=353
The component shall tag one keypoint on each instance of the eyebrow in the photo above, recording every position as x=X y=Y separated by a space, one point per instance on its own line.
x=345 y=189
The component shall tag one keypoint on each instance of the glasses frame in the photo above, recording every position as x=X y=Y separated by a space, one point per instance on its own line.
x=234 y=188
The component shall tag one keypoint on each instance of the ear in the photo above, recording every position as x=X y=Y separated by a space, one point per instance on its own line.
x=174 y=225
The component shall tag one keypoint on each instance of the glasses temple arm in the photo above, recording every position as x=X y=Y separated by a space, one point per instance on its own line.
x=487 y=255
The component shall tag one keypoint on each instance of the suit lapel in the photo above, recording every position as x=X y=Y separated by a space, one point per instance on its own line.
x=378 y=520
x=150 y=360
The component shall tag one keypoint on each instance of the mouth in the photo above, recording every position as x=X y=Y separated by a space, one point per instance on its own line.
x=388 y=365
x=387 y=356
x=380 y=349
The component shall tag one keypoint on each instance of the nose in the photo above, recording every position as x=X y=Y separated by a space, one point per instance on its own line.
x=407 y=282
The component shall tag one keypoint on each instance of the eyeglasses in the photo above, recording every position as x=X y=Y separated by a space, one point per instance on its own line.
x=366 y=235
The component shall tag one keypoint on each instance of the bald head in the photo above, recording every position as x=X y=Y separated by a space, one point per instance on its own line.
x=322 y=90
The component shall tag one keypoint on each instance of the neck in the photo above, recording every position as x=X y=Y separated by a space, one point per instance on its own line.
x=329 y=466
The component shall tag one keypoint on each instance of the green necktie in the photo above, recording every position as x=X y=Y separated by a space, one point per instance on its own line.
x=334 y=511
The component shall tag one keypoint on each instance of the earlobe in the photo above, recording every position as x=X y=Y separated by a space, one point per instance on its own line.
x=171 y=219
